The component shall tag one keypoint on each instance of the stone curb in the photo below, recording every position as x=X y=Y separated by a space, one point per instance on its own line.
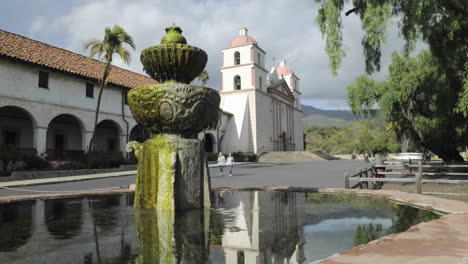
x=67 y=179
x=83 y=177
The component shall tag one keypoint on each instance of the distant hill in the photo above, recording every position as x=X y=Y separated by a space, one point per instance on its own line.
x=325 y=121
x=318 y=117
x=340 y=114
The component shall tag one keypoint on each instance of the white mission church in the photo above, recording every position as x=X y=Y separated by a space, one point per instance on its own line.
x=48 y=97
x=262 y=108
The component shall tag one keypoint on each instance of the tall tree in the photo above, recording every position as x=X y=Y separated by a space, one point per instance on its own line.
x=417 y=102
x=113 y=43
x=442 y=24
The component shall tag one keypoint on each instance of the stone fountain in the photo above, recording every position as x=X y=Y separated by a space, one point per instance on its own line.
x=172 y=165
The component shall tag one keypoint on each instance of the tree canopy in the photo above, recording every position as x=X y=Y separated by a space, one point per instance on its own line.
x=417 y=101
x=425 y=97
x=363 y=136
x=113 y=43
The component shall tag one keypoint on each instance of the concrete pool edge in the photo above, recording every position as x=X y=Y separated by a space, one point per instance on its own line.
x=444 y=240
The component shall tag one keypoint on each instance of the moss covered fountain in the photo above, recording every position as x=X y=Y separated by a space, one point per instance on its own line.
x=172 y=166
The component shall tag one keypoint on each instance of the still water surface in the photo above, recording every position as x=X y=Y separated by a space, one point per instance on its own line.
x=241 y=228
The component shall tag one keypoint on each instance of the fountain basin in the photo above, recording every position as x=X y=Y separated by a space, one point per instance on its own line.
x=175 y=108
x=279 y=224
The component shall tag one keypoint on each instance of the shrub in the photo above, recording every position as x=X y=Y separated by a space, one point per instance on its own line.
x=8 y=156
x=244 y=156
x=35 y=163
x=212 y=156
x=103 y=160
x=71 y=165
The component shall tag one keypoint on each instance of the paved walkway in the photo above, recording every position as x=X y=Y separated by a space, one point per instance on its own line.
x=320 y=174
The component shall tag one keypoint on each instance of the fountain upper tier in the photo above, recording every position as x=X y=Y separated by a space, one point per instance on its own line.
x=173 y=60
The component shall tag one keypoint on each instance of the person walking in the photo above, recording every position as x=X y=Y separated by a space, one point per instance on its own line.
x=221 y=163
x=230 y=163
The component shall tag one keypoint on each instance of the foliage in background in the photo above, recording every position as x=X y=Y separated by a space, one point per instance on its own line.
x=364 y=136
x=35 y=163
x=418 y=102
x=8 y=156
x=238 y=156
x=440 y=24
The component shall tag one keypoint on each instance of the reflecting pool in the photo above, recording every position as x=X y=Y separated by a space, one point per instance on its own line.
x=240 y=228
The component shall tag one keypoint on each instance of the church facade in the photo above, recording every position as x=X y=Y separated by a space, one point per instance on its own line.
x=262 y=109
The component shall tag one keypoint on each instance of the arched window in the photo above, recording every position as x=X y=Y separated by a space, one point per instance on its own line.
x=258 y=60
x=260 y=82
x=236 y=58
x=237 y=82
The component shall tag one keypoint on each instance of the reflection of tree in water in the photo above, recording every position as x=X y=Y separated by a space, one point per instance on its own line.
x=366 y=233
x=407 y=216
x=126 y=257
x=15 y=225
x=106 y=212
x=216 y=228
x=63 y=217
x=404 y=217
x=190 y=237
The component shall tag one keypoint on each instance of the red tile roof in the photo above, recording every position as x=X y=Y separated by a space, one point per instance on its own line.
x=31 y=51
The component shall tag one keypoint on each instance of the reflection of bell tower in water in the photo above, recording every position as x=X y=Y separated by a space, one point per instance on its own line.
x=267 y=228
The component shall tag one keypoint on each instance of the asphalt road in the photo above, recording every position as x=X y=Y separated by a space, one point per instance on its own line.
x=320 y=174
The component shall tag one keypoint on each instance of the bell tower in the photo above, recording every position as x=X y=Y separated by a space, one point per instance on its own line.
x=243 y=64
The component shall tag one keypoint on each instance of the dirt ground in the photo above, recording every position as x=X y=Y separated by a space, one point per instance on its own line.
x=454 y=192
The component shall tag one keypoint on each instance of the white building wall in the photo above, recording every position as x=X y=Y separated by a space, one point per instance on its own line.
x=264 y=117
x=263 y=74
x=245 y=72
x=244 y=52
x=21 y=81
x=66 y=95
x=299 y=129
x=253 y=144
x=237 y=133
x=260 y=62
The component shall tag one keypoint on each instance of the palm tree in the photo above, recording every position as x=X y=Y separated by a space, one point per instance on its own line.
x=113 y=43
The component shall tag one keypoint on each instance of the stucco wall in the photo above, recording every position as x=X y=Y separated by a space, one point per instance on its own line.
x=66 y=95
x=237 y=130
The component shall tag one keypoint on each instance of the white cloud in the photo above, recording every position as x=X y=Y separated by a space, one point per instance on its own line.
x=284 y=29
x=37 y=25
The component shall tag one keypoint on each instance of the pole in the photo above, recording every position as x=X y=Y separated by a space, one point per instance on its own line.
x=419 y=178
x=346 y=180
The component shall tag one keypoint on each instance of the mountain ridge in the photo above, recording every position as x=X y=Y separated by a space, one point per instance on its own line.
x=314 y=116
x=341 y=114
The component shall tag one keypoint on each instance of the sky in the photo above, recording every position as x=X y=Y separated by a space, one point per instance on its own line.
x=285 y=29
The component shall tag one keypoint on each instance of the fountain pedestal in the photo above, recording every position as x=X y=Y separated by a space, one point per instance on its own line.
x=172 y=173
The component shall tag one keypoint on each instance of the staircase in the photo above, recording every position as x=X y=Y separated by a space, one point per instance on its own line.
x=284 y=156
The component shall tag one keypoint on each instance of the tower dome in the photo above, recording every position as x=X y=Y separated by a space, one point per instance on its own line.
x=282 y=69
x=242 y=39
